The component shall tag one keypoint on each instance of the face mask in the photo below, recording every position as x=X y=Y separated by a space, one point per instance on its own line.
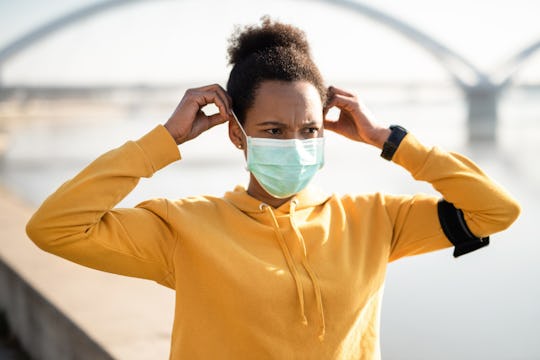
x=283 y=167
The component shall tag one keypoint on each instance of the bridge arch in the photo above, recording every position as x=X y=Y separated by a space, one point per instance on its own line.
x=481 y=91
x=505 y=74
x=458 y=67
x=41 y=32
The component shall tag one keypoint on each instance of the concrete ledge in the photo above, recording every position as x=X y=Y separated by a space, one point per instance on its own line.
x=60 y=310
x=44 y=331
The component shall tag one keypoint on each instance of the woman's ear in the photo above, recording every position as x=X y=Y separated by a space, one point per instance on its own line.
x=236 y=135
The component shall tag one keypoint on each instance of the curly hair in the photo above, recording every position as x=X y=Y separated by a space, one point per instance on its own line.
x=271 y=51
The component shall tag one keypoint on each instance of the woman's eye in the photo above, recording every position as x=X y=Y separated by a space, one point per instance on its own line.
x=274 y=131
x=312 y=130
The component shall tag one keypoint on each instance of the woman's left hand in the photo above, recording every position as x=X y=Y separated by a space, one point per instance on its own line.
x=355 y=120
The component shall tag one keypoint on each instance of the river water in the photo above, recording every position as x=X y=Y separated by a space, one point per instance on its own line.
x=481 y=306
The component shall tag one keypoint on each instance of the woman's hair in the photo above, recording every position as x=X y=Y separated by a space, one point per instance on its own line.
x=271 y=51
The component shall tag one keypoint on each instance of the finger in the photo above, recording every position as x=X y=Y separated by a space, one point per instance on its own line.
x=335 y=90
x=214 y=120
x=227 y=100
x=342 y=102
x=330 y=103
x=331 y=125
x=226 y=96
x=209 y=87
x=212 y=97
x=222 y=95
x=203 y=122
x=328 y=107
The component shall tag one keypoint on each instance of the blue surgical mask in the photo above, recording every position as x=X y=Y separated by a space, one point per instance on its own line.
x=283 y=167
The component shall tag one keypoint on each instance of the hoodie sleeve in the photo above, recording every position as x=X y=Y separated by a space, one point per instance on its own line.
x=481 y=204
x=78 y=221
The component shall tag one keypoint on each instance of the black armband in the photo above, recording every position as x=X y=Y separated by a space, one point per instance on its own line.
x=456 y=230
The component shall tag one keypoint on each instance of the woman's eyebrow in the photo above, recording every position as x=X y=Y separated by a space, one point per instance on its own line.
x=272 y=123
x=312 y=123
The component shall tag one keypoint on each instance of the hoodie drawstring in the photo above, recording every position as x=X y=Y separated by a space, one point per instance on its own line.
x=311 y=273
x=290 y=262
x=293 y=269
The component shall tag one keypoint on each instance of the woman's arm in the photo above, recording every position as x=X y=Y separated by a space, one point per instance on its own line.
x=78 y=221
x=474 y=206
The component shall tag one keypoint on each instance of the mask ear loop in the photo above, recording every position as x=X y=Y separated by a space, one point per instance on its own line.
x=238 y=122
x=241 y=128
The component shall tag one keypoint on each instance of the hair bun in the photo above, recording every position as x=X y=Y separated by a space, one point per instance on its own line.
x=270 y=34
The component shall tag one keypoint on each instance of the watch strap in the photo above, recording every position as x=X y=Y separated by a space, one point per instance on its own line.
x=392 y=143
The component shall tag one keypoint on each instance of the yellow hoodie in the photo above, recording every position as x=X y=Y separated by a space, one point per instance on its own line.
x=303 y=281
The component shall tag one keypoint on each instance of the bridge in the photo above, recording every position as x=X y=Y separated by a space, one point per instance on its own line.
x=482 y=91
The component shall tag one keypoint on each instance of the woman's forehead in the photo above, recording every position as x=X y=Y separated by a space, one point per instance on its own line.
x=283 y=101
x=277 y=89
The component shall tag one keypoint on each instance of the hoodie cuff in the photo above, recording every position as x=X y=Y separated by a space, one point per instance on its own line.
x=411 y=154
x=159 y=147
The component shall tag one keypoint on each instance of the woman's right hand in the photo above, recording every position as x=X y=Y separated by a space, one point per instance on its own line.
x=188 y=120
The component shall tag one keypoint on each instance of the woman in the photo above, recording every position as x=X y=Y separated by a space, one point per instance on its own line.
x=277 y=270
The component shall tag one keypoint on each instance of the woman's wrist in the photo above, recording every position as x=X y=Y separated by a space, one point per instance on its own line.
x=176 y=138
x=378 y=136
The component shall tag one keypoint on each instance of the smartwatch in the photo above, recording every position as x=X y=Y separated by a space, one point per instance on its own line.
x=392 y=143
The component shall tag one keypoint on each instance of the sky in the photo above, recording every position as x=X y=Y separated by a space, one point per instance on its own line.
x=170 y=42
